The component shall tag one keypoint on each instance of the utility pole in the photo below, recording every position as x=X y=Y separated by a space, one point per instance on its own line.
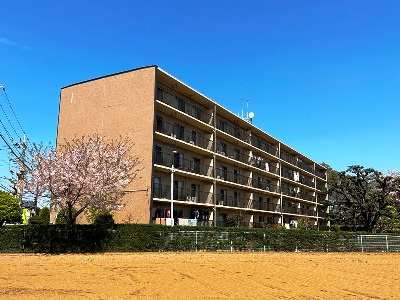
x=21 y=172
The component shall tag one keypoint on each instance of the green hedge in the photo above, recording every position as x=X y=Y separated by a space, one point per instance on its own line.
x=155 y=238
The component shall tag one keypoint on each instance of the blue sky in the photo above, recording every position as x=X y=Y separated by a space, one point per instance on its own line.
x=323 y=76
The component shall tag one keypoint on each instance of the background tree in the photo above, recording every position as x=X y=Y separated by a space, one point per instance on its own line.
x=42 y=218
x=361 y=196
x=85 y=173
x=10 y=209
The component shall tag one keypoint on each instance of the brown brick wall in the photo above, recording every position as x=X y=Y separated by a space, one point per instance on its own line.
x=113 y=106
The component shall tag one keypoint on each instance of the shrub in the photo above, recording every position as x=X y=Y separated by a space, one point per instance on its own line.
x=10 y=209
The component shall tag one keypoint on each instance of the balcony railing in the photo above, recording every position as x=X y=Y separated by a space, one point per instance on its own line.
x=260 y=144
x=305 y=196
x=304 y=180
x=184 y=105
x=267 y=206
x=321 y=186
x=320 y=174
x=233 y=177
x=308 y=212
x=259 y=163
x=232 y=201
x=181 y=194
x=233 y=131
x=305 y=167
x=289 y=191
x=288 y=158
x=232 y=153
x=287 y=174
x=178 y=132
x=188 y=165
x=264 y=185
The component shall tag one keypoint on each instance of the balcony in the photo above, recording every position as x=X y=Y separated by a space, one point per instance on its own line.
x=321 y=187
x=184 y=105
x=260 y=144
x=288 y=158
x=320 y=174
x=305 y=167
x=307 y=212
x=289 y=191
x=232 y=131
x=223 y=174
x=304 y=180
x=291 y=210
x=181 y=194
x=264 y=185
x=235 y=154
x=178 y=132
x=305 y=196
x=288 y=174
x=259 y=163
x=267 y=206
x=188 y=165
x=232 y=201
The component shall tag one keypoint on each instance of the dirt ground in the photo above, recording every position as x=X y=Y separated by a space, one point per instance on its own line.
x=201 y=275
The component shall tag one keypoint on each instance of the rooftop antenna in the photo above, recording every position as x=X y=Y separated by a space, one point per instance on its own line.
x=249 y=115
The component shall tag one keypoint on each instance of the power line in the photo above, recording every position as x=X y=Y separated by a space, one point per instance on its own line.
x=12 y=110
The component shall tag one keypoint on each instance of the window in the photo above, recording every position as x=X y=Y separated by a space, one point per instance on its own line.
x=158 y=157
x=197 y=113
x=179 y=190
x=223 y=196
x=157 y=187
x=237 y=132
x=195 y=138
x=194 y=192
x=179 y=104
x=223 y=148
x=179 y=160
x=222 y=125
x=196 y=165
x=223 y=172
x=159 y=124
x=236 y=154
x=236 y=176
x=179 y=131
x=260 y=183
x=236 y=199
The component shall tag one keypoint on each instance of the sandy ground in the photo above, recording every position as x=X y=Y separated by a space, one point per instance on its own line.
x=201 y=275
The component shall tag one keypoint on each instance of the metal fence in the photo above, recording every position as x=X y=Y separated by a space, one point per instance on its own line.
x=231 y=242
x=378 y=243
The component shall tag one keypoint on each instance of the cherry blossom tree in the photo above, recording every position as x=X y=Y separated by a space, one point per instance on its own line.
x=84 y=173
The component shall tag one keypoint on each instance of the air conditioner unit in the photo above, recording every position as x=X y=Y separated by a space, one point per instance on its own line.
x=188 y=198
x=221 y=202
x=194 y=199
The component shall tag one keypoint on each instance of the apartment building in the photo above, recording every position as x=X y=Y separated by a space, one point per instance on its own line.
x=201 y=164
